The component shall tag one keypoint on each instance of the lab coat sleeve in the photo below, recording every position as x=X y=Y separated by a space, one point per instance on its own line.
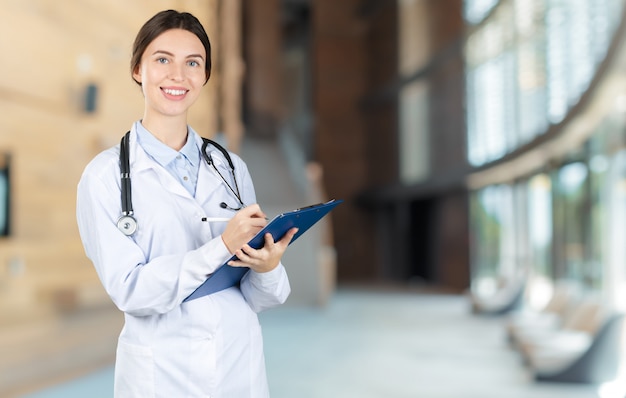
x=136 y=286
x=266 y=290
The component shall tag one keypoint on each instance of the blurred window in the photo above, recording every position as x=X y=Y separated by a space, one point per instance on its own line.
x=614 y=244
x=570 y=219
x=493 y=240
x=527 y=64
x=540 y=224
x=414 y=127
x=475 y=11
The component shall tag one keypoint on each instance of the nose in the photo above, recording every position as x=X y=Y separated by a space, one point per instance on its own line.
x=176 y=72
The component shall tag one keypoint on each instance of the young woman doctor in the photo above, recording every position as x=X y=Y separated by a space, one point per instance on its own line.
x=207 y=347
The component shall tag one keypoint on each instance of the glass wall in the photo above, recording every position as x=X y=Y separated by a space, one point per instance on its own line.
x=539 y=219
x=527 y=64
x=567 y=222
x=413 y=110
x=493 y=237
x=570 y=220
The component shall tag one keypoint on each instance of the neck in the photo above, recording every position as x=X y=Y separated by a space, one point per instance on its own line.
x=172 y=131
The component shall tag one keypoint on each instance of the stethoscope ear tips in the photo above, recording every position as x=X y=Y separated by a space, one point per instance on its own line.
x=127 y=224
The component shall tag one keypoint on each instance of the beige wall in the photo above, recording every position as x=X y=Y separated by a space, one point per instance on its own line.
x=50 y=51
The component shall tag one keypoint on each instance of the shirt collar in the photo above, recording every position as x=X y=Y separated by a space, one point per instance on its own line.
x=162 y=153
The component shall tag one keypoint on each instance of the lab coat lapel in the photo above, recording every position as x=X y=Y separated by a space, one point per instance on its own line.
x=140 y=162
x=207 y=183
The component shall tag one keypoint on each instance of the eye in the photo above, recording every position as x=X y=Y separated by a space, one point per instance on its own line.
x=193 y=63
x=162 y=60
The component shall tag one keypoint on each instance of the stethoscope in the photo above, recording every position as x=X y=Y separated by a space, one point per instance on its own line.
x=127 y=223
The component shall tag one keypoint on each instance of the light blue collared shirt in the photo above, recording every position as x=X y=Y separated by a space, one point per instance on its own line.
x=183 y=164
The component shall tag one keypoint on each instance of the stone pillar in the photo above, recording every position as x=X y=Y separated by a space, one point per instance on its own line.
x=340 y=81
x=263 y=53
x=232 y=70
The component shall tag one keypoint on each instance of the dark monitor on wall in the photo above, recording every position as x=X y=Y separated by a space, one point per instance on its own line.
x=5 y=194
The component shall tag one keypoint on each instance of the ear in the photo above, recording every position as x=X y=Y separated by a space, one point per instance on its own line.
x=137 y=74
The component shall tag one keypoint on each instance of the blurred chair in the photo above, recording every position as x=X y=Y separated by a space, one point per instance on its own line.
x=598 y=362
x=566 y=294
x=584 y=348
x=574 y=334
x=508 y=297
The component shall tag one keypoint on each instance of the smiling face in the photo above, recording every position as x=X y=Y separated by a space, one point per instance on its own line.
x=171 y=73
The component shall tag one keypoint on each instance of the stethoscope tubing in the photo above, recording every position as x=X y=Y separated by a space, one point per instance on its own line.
x=127 y=223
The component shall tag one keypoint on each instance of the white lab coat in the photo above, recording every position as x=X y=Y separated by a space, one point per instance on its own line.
x=208 y=347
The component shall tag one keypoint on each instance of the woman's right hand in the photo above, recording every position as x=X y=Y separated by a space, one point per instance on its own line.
x=245 y=224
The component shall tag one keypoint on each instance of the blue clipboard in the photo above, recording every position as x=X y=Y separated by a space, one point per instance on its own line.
x=303 y=219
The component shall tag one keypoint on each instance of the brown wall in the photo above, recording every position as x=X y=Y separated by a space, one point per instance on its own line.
x=340 y=81
x=50 y=53
x=447 y=82
x=411 y=231
x=448 y=146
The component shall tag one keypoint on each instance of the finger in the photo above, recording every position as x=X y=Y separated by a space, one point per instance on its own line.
x=234 y=263
x=269 y=240
x=242 y=259
x=285 y=240
x=244 y=253
x=253 y=211
x=249 y=254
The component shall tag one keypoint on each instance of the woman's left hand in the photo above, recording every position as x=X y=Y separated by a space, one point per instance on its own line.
x=266 y=258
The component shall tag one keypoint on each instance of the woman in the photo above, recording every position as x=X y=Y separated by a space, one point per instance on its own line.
x=210 y=346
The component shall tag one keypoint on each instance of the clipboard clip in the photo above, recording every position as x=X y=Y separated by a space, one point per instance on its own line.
x=315 y=205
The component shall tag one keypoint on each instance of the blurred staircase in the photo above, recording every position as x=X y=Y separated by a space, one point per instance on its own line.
x=285 y=181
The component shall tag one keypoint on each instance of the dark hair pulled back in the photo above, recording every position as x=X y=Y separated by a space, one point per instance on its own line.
x=161 y=22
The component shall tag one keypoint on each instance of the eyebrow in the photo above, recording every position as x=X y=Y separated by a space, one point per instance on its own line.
x=171 y=55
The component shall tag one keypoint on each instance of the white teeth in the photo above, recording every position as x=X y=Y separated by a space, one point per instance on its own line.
x=174 y=92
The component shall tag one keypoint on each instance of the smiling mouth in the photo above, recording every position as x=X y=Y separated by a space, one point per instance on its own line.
x=174 y=92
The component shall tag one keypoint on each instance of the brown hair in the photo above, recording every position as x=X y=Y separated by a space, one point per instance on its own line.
x=161 y=22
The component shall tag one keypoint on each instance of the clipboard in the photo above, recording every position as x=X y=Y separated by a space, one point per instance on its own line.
x=302 y=218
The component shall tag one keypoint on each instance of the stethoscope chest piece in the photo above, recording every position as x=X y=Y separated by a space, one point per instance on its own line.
x=127 y=224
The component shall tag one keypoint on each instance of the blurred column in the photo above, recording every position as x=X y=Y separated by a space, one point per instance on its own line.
x=340 y=76
x=263 y=54
x=232 y=68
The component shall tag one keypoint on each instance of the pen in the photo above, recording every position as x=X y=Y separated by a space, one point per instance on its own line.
x=215 y=219
x=220 y=219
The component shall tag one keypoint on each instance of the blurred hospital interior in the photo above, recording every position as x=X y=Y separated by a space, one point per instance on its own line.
x=479 y=147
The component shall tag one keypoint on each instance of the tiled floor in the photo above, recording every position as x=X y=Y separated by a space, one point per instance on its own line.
x=384 y=345
x=396 y=345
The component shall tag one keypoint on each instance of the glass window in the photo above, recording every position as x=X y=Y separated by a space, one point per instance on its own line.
x=527 y=64
x=531 y=68
x=413 y=109
x=614 y=244
x=540 y=224
x=475 y=11
x=414 y=145
x=556 y=60
x=607 y=166
x=490 y=86
x=539 y=219
x=493 y=240
x=570 y=212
